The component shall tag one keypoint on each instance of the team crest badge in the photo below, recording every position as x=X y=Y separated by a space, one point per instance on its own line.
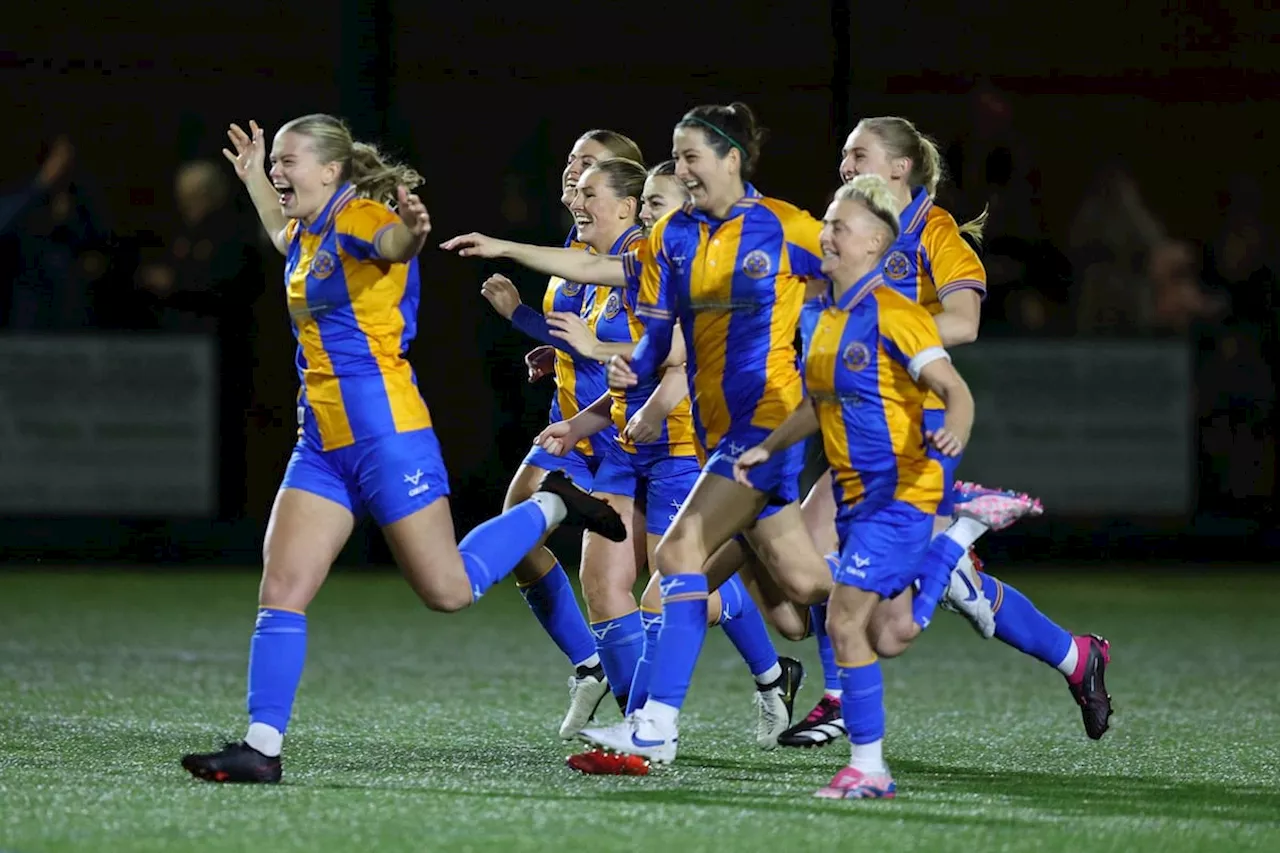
x=612 y=305
x=571 y=288
x=856 y=356
x=757 y=264
x=323 y=265
x=896 y=266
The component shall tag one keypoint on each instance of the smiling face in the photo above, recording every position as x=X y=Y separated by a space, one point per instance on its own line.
x=585 y=153
x=661 y=194
x=305 y=184
x=713 y=182
x=852 y=240
x=865 y=154
x=600 y=215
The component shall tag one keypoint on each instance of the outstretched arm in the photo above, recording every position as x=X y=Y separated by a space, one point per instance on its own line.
x=570 y=264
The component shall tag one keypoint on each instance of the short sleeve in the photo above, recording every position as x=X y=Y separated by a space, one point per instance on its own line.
x=803 y=246
x=647 y=268
x=908 y=333
x=954 y=265
x=359 y=225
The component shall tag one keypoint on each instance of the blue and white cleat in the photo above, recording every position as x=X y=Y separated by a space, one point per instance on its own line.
x=851 y=784
x=965 y=596
x=639 y=735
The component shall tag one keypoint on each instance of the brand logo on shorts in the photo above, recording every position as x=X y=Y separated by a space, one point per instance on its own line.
x=859 y=564
x=413 y=480
x=896 y=266
x=675 y=505
x=757 y=264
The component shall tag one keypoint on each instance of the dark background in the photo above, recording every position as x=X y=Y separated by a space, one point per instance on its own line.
x=1124 y=153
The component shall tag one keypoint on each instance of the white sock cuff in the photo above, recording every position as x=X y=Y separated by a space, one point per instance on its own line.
x=552 y=506
x=265 y=739
x=965 y=531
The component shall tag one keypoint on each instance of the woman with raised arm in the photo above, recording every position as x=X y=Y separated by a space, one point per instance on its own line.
x=365 y=438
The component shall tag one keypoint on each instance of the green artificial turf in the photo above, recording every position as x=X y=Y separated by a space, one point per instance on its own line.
x=421 y=731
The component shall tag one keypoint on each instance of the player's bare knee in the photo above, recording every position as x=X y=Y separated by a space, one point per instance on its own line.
x=678 y=555
x=291 y=587
x=445 y=598
x=787 y=622
x=805 y=588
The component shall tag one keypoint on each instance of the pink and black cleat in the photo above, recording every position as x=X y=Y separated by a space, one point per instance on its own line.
x=851 y=784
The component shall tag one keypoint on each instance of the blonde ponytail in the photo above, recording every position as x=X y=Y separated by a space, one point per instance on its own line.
x=974 y=226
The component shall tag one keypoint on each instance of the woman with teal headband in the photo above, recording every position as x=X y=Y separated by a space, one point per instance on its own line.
x=732 y=268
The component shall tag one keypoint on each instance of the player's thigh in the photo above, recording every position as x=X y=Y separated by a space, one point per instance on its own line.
x=784 y=545
x=819 y=512
x=789 y=619
x=425 y=546
x=608 y=569
x=893 y=626
x=716 y=509
x=403 y=482
x=311 y=520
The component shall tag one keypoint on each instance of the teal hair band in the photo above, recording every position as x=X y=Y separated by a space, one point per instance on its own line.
x=727 y=138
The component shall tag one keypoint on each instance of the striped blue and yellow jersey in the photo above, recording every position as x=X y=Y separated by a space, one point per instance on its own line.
x=930 y=259
x=736 y=286
x=862 y=366
x=354 y=315
x=579 y=382
x=615 y=321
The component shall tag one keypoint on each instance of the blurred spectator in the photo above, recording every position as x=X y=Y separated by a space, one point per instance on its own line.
x=1130 y=276
x=206 y=281
x=58 y=247
x=209 y=265
x=992 y=165
x=1235 y=382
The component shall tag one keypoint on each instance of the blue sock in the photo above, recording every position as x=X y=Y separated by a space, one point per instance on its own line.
x=744 y=626
x=863 y=701
x=1020 y=625
x=276 y=655
x=684 y=628
x=935 y=574
x=491 y=550
x=640 y=682
x=619 y=642
x=552 y=601
x=826 y=651
x=818 y=625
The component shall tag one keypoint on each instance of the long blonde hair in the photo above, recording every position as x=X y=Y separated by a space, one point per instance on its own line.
x=901 y=139
x=373 y=175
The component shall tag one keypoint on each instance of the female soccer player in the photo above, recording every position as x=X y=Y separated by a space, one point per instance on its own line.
x=365 y=438
x=662 y=192
x=870 y=359
x=931 y=264
x=579 y=382
x=732 y=265
x=654 y=459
